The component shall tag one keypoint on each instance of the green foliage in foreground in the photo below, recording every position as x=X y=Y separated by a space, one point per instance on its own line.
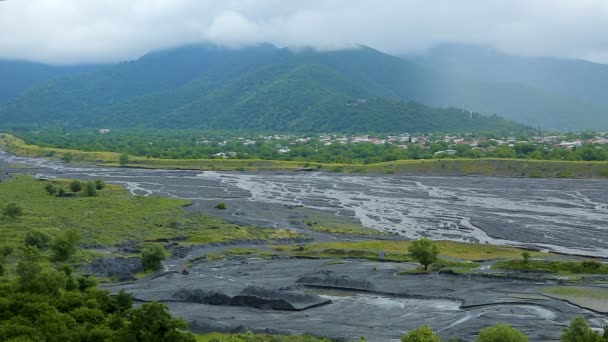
x=422 y=334
x=560 y=267
x=501 y=333
x=579 y=331
x=46 y=303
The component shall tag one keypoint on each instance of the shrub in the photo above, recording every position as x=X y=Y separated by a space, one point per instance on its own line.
x=75 y=186
x=580 y=331
x=221 y=206
x=152 y=256
x=37 y=238
x=501 y=333
x=50 y=189
x=124 y=160
x=12 y=210
x=100 y=184
x=91 y=189
x=64 y=245
x=422 y=334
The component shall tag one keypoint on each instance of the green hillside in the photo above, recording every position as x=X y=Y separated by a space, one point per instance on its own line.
x=266 y=88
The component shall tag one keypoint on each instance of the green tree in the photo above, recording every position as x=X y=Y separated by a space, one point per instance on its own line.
x=91 y=189
x=152 y=256
x=424 y=251
x=580 y=331
x=75 y=185
x=422 y=334
x=12 y=210
x=501 y=333
x=64 y=245
x=37 y=238
x=152 y=323
x=50 y=189
x=124 y=159
x=60 y=192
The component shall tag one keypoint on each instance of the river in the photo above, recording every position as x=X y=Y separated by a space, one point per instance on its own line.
x=564 y=215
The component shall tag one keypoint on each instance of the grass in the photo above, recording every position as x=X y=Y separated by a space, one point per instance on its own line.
x=484 y=166
x=591 y=298
x=332 y=227
x=558 y=267
x=452 y=249
x=250 y=337
x=115 y=216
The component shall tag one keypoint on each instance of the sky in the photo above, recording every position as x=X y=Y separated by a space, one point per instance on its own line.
x=95 y=31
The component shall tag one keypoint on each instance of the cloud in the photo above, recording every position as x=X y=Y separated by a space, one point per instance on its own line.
x=68 y=31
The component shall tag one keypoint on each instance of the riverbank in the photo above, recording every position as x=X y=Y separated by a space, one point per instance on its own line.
x=440 y=167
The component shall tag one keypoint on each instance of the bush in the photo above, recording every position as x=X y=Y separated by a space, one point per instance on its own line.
x=12 y=210
x=501 y=333
x=37 y=238
x=124 y=160
x=60 y=192
x=50 y=189
x=75 y=186
x=221 y=206
x=91 y=189
x=152 y=256
x=64 y=245
x=580 y=331
x=100 y=184
x=422 y=334
x=424 y=251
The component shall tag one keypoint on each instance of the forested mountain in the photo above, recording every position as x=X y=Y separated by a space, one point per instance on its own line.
x=18 y=76
x=267 y=88
x=581 y=79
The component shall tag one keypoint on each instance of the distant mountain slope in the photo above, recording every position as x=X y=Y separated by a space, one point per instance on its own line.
x=264 y=87
x=18 y=76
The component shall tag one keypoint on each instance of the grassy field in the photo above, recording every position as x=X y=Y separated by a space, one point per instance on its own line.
x=114 y=216
x=592 y=298
x=558 y=267
x=398 y=250
x=485 y=167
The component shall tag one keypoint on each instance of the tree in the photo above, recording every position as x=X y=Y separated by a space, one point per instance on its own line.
x=50 y=189
x=60 y=192
x=64 y=245
x=152 y=323
x=91 y=189
x=124 y=159
x=422 y=334
x=501 y=333
x=76 y=185
x=580 y=331
x=152 y=256
x=100 y=184
x=424 y=251
x=37 y=238
x=12 y=210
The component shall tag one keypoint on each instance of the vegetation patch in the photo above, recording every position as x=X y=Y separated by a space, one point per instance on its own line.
x=453 y=249
x=558 y=267
x=342 y=228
